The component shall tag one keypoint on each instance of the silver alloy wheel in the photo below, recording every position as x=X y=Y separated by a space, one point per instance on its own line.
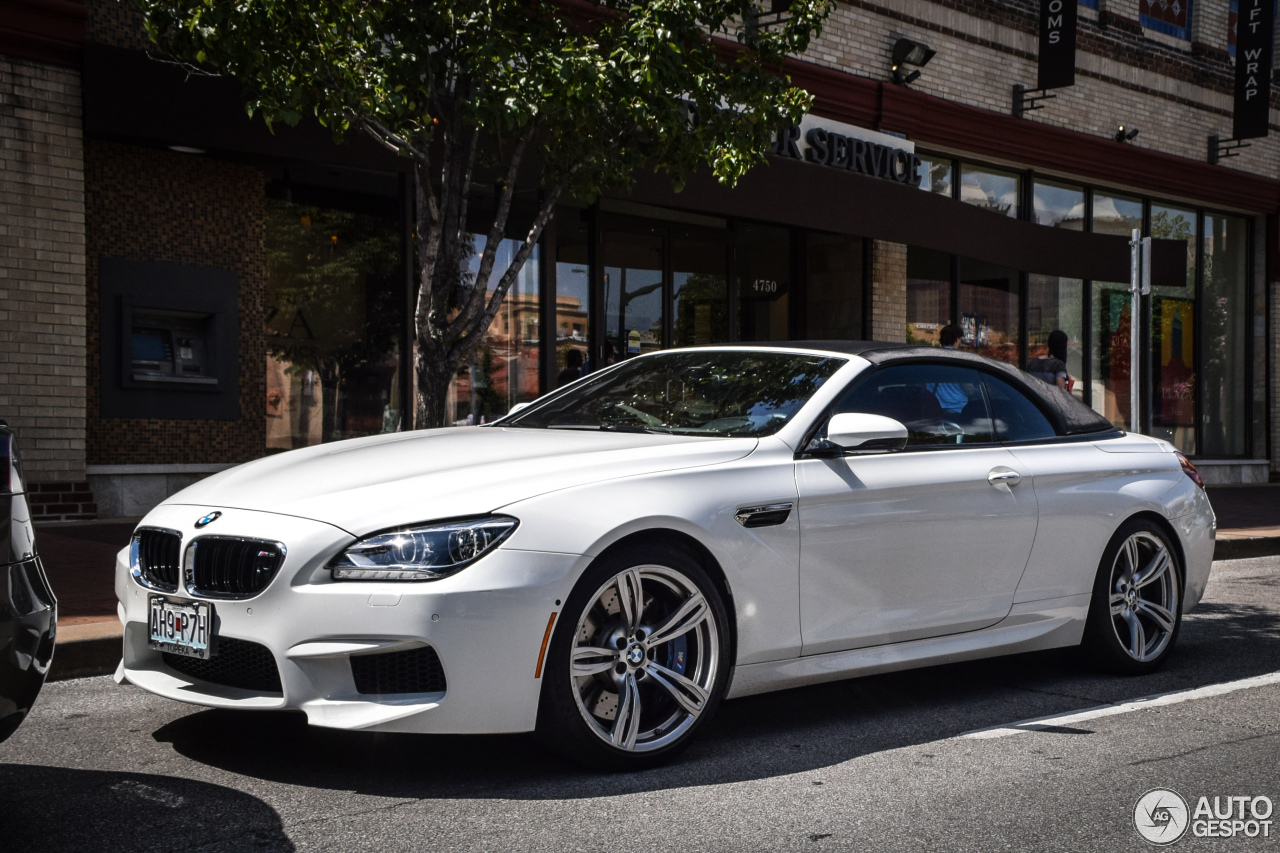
x=1144 y=596
x=645 y=657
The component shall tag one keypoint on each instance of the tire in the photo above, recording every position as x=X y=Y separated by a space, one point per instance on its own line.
x=671 y=661
x=1132 y=628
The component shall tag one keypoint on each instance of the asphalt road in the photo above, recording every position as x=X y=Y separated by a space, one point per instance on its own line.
x=873 y=764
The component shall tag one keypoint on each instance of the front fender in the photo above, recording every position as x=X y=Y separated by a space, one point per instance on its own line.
x=760 y=566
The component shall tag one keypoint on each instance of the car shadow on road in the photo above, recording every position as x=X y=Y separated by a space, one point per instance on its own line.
x=57 y=808
x=776 y=734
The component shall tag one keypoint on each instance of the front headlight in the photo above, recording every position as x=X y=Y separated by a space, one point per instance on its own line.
x=421 y=553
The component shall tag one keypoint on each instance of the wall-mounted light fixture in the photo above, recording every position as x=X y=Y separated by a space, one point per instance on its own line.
x=1126 y=134
x=909 y=52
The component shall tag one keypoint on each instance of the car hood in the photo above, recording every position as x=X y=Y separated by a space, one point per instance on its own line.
x=367 y=484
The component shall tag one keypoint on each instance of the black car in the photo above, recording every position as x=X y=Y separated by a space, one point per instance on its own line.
x=28 y=610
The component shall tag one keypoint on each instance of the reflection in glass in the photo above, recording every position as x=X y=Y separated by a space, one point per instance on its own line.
x=712 y=393
x=633 y=296
x=334 y=316
x=701 y=292
x=573 y=288
x=935 y=175
x=1115 y=214
x=991 y=189
x=764 y=282
x=1172 y=336
x=928 y=295
x=504 y=368
x=1223 y=318
x=835 y=267
x=1057 y=303
x=1059 y=205
x=1110 y=352
x=989 y=309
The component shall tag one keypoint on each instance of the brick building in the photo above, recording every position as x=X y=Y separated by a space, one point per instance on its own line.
x=181 y=290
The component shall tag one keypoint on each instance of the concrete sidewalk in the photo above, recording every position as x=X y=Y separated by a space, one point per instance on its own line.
x=79 y=557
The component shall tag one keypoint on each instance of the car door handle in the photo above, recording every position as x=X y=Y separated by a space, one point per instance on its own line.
x=1004 y=477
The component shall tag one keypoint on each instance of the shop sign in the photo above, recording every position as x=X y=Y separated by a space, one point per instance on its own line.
x=1057 y=44
x=844 y=146
x=1255 y=30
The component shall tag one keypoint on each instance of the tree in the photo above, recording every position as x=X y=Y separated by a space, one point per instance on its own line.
x=560 y=95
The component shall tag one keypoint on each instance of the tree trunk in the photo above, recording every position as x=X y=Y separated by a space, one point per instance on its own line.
x=434 y=376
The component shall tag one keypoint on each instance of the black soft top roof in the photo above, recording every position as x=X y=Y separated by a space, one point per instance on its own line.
x=1068 y=415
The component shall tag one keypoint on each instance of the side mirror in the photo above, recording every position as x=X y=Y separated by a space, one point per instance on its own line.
x=855 y=432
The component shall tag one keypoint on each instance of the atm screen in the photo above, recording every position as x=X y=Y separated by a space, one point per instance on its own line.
x=148 y=346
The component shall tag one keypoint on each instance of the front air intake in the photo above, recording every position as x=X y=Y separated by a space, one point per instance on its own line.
x=235 y=663
x=411 y=671
x=230 y=567
x=159 y=557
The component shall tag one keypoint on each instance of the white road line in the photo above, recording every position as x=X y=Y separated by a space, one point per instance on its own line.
x=1173 y=698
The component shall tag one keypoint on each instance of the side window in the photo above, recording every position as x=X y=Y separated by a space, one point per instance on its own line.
x=1016 y=418
x=937 y=403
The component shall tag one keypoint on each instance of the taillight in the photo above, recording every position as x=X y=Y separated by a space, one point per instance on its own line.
x=1190 y=470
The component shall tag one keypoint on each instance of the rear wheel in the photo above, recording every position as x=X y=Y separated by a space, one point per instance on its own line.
x=1136 y=610
x=638 y=663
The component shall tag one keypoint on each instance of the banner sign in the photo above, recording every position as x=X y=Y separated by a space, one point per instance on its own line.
x=1255 y=31
x=1057 y=44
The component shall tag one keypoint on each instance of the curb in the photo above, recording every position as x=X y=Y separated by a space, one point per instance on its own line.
x=82 y=651
x=1246 y=547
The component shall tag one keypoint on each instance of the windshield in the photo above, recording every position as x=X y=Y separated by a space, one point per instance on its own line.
x=712 y=392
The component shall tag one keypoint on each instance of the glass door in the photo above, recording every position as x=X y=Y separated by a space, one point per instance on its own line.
x=634 y=284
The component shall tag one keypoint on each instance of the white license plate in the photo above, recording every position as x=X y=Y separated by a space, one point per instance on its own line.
x=181 y=629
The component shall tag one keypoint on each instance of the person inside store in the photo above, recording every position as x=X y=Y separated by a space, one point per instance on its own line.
x=572 y=368
x=1053 y=368
x=950 y=395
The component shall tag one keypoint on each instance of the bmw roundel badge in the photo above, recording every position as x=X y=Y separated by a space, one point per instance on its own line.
x=208 y=519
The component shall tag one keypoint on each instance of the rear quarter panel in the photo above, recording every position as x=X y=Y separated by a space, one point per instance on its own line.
x=1084 y=494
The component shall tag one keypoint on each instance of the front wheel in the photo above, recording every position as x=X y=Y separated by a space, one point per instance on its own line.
x=638 y=662
x=1136 y=609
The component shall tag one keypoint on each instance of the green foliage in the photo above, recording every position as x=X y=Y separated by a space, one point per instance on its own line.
x=608 y=95
x=574 y=99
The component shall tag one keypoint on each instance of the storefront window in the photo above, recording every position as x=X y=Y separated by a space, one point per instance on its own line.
x=989 y=309
x=633 y=297
x=504 y=368
x=1059 y=205
x=935 y=175
x=1115 y=214
x=928 y=295
x=835 y=282
x=764 y=282
x=1110 y=351
x=1055 y=303
x=994 y=190
x=1224 y=317
x=701 y=291
x=1172 y=337
x=573 y=288
x=334 y=321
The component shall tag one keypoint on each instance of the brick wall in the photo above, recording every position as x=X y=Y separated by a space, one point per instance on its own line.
x=62 y=502
x=1175 y=95
x=888 y=291
x=144 y=204
x=42 y=298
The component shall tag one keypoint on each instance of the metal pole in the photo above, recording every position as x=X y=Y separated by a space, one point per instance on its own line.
x=1135 y=337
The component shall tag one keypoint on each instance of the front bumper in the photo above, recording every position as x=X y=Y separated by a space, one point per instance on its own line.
x=486 y=623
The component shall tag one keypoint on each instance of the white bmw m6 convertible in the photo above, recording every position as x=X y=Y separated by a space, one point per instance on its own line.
x=607 y=564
